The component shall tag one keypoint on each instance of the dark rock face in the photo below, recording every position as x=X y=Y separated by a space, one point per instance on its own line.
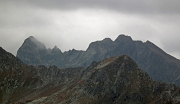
x=116 y=80
x=158 y=64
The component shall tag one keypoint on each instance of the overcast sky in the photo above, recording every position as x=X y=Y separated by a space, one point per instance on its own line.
x=75 y=23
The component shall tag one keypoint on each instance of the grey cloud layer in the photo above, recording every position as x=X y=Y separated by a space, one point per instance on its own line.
x=131 y=6
x=63 y=22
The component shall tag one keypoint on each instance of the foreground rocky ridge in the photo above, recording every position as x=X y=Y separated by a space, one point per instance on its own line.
x=158 y=64
x=113 y=80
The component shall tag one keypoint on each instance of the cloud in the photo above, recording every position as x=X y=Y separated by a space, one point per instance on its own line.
x=125 y=6
x=76 y=23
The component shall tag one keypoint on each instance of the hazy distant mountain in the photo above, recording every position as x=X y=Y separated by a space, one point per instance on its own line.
x=116 y=80
x=158 y=64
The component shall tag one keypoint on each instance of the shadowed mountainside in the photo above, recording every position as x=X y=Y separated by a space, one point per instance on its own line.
x=111 y=81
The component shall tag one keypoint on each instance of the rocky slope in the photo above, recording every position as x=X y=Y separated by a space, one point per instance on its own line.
x=158 y=64
x=111 y=81
x=22 y=83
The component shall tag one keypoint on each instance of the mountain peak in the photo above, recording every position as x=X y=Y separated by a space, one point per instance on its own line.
x=119 y=61
x=31 y=49
x=125 y=61
x=56 y=49
x=107 y=40
x=123 y=38
x=100 y=44
x=31 y=37
x=34 y=42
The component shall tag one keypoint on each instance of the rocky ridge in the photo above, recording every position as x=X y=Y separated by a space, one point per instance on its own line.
x=158 y=64
x=111 y=81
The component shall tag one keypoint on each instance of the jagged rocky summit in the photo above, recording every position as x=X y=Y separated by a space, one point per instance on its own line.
x=158 y=64
x=115 y=80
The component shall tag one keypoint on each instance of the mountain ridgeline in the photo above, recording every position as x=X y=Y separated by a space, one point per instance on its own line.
x=115 y=80
x=158 y=64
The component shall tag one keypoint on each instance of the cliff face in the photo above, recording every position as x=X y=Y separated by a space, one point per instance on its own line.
x=158 y=64
x=111 y=81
